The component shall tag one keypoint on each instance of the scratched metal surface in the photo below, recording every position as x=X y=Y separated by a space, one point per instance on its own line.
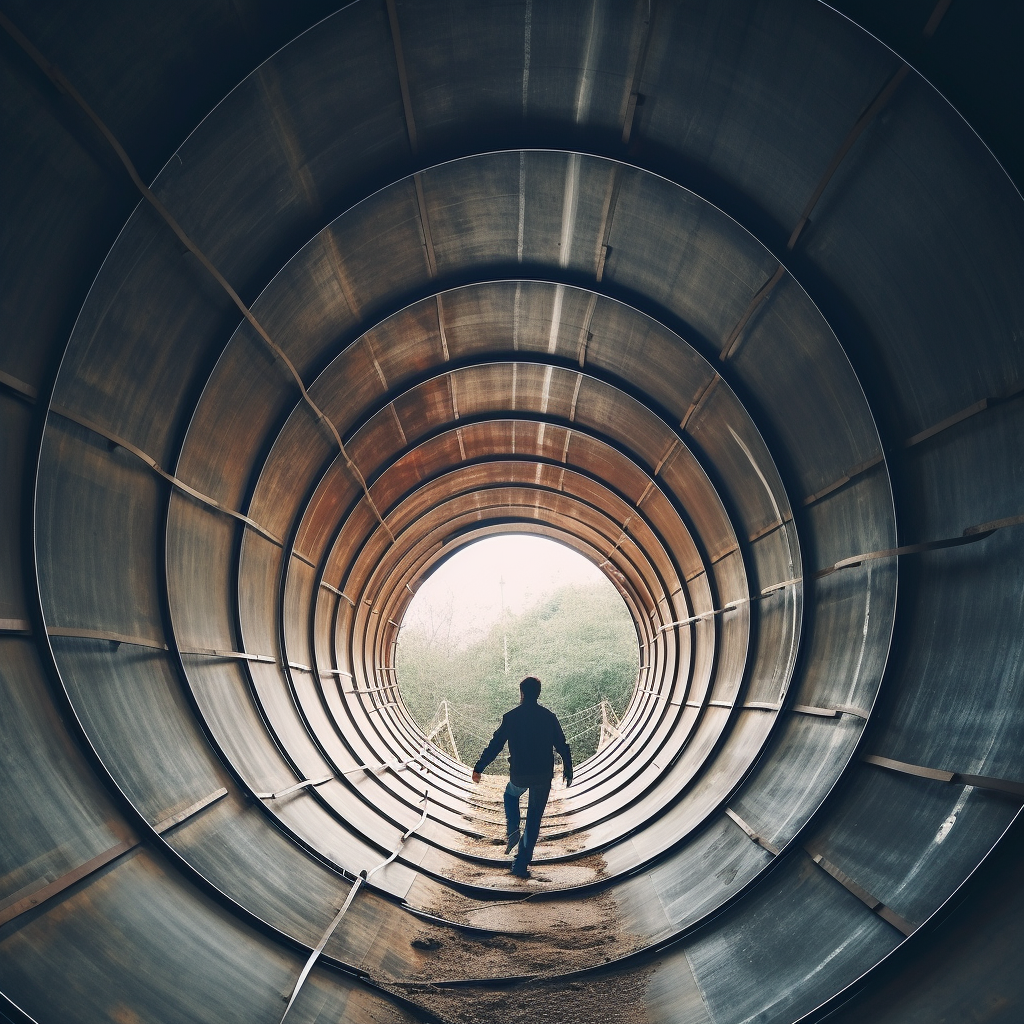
x=520 y=331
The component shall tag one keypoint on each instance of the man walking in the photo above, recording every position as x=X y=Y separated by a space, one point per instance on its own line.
x=531 y=732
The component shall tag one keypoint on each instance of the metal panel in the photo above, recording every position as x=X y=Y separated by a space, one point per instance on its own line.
x=131 y=704
x=97 y=550
x=117 y=906
x=43 y=771
x=836 y=939
x=915 y=875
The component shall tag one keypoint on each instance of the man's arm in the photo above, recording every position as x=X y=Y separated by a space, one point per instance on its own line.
x=558 y=742
x=492 y=751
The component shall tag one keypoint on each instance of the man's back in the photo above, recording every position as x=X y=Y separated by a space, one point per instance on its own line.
x=533 y=733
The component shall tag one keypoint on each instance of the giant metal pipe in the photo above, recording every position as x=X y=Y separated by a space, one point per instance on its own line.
x=726 y=299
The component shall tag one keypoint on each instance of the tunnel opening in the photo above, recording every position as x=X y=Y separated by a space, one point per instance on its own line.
x=505 y=607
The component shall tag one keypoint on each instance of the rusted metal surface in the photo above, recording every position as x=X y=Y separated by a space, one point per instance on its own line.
x=232 y=466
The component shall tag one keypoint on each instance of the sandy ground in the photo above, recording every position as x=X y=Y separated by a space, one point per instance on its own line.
x=536 y=937
x=610 y=999
x=544 y=939
x=537 y=931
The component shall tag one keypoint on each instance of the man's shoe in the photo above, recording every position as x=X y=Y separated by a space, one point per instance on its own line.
x=522 y=873
x=513 y=841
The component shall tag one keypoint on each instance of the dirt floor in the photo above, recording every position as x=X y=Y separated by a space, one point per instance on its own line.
x=609 y=999
x=534 y=937
x=545 y=940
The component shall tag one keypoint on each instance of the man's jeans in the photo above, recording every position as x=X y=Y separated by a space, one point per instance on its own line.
x=534 y=812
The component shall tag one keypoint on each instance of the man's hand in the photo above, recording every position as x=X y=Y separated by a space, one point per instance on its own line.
x=567 y=777
x=476 y=776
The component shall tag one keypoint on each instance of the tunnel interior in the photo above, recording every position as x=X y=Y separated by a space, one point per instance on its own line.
x=724 y=297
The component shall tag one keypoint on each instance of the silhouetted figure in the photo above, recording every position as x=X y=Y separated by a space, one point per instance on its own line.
x=532 y=732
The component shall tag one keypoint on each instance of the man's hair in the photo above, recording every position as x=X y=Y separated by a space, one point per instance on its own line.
x=530 y=688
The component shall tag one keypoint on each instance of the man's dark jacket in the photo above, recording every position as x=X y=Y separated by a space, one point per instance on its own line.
x=532 y=732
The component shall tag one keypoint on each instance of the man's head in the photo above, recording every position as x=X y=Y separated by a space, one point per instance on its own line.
x=529 y=690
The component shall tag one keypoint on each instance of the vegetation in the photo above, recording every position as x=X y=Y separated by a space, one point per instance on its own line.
x=579 y=642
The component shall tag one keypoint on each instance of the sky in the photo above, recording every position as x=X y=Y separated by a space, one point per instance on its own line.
x=532 y=567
